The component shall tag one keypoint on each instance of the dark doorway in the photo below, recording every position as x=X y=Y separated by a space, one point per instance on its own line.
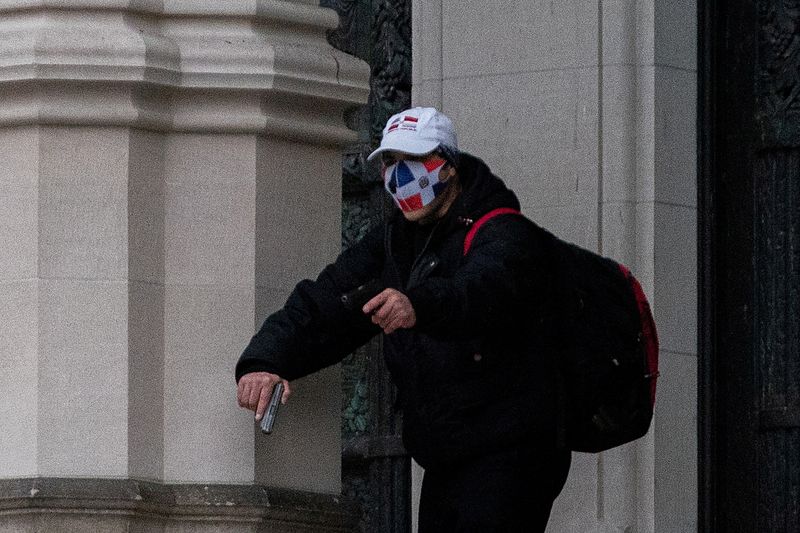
x=750 y=265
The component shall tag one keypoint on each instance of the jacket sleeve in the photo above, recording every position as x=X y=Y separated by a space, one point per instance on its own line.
x=501 y=283
x=314 y=329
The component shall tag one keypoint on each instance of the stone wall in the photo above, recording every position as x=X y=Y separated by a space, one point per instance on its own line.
x=169 y=170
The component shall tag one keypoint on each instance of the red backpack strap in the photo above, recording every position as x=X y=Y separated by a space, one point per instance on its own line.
x=649 y=333
x=483 y=220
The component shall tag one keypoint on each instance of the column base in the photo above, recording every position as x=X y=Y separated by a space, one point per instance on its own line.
x=131 y=506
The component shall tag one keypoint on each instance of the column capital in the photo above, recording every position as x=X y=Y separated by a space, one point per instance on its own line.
x=188 y=66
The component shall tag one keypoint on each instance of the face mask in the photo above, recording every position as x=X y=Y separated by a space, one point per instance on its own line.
x=414 y=184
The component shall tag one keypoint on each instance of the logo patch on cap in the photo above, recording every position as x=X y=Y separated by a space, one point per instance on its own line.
x=407 y=123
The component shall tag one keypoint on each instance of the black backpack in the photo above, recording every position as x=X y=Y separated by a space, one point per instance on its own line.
x=607 y=347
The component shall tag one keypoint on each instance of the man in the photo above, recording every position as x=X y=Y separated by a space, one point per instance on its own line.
x=475 y=379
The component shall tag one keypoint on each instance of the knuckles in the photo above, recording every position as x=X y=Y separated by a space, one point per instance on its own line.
x=254 y=387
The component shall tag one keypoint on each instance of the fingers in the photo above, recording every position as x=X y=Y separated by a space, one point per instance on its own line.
x=391 y=310
x=245 y=390
x=255 y=390
x=252 y=399
x=382 y=314
x=392 y=326
x=382 y=306
x=263 y=400
x=402 y=320
x=394 y=321
x=240 y=392
x=287 y=391
x=377 y=301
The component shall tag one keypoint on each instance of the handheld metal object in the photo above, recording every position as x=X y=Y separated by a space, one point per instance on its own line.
x=272 y=410
x=355 y=299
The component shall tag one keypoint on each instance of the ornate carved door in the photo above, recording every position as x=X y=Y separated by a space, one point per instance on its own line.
x=375 y=466
x=750 y=234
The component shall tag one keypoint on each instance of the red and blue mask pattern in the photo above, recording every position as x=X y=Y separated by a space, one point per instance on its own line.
x=414 y=184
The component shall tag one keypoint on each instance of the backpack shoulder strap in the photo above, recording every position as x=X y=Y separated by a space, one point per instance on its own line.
x=483 y=220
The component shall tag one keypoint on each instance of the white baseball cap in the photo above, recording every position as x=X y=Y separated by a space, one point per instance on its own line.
x=417 y=131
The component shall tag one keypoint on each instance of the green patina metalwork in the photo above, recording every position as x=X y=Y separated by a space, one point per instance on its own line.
x=379 y=32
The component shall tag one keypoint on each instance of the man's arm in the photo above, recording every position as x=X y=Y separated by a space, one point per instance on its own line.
x=314 y=329
x=505 y=274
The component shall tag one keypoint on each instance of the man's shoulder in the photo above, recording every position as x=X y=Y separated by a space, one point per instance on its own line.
x=509 y=225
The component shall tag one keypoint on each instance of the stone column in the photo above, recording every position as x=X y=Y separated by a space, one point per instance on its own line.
x=169 y=169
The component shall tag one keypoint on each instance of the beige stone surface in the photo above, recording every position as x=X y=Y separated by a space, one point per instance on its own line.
x=675 y=136
x=146 y=394
x=426 y=50
x=146 y=207
x=304 y=450
x=138 y=140
x=206 y=438
x=645 y=248
x=83 y=203
x=18 y=378
x=298 y=212
x=18 y=204
x=576 y=508
x=209 y=217
x=628 y=136
x=619 y=471
x=83 y=382
x=538 y=131
x=676 y=464
x=675 y=300
x=505 y=37
x=627 y=237
x=676 y=33
x=628 y=32
x=675 y=265
x=619 y=235
x=267 y=301
x=417 y=473
x=645 y=482
x=646 y=145
x=575 y=223
x=619 y=133
x=428 y=93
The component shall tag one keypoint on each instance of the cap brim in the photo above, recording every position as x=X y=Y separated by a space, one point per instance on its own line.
x=404 y=146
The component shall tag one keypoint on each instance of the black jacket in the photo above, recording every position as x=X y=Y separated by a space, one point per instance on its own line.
x=475 y=373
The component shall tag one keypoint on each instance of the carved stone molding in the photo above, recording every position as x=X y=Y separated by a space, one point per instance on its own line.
x=246 y=67
x=105 y=503
x=386 y=42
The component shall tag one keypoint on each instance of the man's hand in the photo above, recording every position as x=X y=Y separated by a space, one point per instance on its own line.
x=255 y=390
x=391 y=310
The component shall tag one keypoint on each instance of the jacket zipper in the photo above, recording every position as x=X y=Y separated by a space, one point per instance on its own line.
x=421 y=255
x=390 y=256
